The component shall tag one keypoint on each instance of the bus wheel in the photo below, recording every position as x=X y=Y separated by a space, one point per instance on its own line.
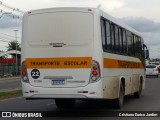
x=65 y=103
x=138 y=93
x=118 y=103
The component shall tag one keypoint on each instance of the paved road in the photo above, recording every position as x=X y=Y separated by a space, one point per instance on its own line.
x=149 y=101
x=10 y=83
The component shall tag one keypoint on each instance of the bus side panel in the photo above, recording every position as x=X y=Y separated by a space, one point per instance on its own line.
x=111 y=83
x=115 y=71
x=110 y=87
x=126 y=74
x=137 y=73
x=135 y=83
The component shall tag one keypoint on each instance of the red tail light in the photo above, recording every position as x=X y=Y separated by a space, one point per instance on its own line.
x=24 y=72
x=95 y=71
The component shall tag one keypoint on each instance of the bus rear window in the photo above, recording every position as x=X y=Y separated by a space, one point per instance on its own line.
x=57 y=27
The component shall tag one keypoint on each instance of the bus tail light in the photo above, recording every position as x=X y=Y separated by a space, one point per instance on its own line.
x=24 y=72
x=95 y=72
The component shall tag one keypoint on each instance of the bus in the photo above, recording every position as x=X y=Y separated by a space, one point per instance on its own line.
x=71 y=54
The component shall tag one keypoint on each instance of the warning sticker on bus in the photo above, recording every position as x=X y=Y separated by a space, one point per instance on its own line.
x=75 y=62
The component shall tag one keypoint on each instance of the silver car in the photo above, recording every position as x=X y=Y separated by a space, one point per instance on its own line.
x=152 y=70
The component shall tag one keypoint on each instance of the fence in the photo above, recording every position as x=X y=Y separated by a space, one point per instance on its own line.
x=9 y=69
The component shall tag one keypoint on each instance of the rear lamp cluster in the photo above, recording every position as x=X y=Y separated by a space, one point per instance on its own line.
x=95 y=72
x=24 y=72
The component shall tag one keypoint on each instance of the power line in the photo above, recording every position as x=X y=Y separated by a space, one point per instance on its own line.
x=13 y=16
x=1 y=40
x=11 y=8
x=8 y=35
x=6 y=38
x=10 y=14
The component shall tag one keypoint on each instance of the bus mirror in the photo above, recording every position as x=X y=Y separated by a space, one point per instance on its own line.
x=146 y=54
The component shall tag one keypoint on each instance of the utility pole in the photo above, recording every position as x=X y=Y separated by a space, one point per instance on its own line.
x=16 y=49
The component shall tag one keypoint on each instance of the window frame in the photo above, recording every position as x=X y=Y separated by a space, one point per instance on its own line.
x=123 y=43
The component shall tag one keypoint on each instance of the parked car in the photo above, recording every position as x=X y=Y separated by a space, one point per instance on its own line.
x=152 y=70
x=155 y=63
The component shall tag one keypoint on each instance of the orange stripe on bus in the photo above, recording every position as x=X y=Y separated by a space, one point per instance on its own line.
x=113 y=63
x=71 y=62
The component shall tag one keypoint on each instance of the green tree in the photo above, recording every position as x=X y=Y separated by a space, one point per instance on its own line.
x=12 y=45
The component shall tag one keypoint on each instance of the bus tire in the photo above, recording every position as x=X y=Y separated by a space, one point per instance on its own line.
x=138 y=93
x=118 y=103
x=65 y=103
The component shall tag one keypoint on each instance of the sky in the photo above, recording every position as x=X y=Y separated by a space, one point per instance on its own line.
x=142 y=15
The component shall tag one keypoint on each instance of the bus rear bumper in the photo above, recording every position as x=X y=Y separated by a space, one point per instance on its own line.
x=91 y=91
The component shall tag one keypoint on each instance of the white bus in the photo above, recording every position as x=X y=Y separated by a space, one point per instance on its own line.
x=80 y=53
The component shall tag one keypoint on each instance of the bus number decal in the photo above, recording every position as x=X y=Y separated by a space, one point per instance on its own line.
x=35 y=73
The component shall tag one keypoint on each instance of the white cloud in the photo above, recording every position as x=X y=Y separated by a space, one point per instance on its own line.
x=119 y=8
x=37 y=4
x=140 y=8
x=149 y=29
x=9 y=22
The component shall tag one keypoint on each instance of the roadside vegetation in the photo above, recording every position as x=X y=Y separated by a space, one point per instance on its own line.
x=9 y=94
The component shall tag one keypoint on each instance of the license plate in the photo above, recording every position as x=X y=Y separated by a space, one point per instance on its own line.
x=58 y=82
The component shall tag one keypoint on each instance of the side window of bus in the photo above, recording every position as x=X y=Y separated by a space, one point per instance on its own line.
x=108 y=36
x=133 y=46
x=120 y=40
x=112 y=37
x=140 y=48
x=140 y=45
x=125 y=49
x=103 y=34
x=136 y=46
x=129 y=42
x=116 y=39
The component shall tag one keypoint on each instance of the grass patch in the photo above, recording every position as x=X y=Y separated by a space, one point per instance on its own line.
x=9 y=94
